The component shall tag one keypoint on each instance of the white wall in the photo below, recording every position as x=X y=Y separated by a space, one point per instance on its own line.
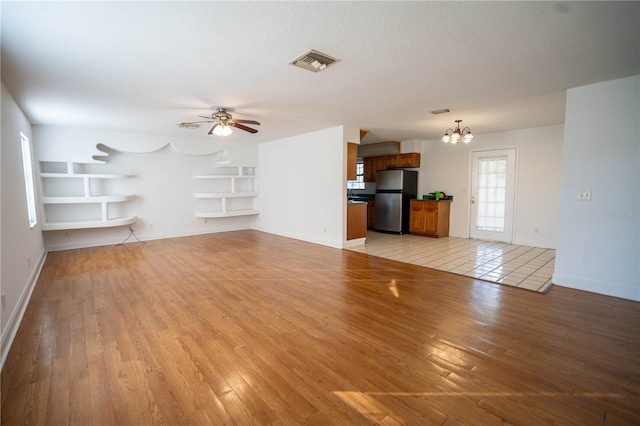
x=163 y=184
x=539 y=159
x=22 y=251
x=303 y=187
x=598 y=240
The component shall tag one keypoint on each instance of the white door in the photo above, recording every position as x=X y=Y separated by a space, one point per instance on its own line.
x=493 y=175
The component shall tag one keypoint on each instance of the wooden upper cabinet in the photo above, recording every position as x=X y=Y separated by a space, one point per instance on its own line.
x=352 y=160
x=369 y=164
x=381 y=162
x=411 y=159
x=391 y=161
x=394 y=161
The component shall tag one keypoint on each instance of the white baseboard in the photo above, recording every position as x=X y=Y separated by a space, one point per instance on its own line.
x=307 y=238
x=18 y=313
x=353 y=243
x=240 y=227
x=535 y=243
x=607 y=289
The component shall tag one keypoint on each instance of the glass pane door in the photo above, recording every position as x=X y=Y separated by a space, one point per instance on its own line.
x=492 y=194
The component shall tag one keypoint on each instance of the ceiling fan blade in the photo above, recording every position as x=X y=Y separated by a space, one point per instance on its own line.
x=214 y=126
x=204 y=116
x=246 y=121
x=242 y=127
x=206 y=121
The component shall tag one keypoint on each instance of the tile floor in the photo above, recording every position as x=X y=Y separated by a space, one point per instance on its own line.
x=525 y=267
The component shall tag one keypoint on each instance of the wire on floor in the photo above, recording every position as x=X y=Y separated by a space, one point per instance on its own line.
x=131 y=234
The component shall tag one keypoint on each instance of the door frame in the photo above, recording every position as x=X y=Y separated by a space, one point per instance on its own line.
x=514 y=218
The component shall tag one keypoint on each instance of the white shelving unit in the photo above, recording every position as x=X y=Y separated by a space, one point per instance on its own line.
x=68 y=214
x=233 y=192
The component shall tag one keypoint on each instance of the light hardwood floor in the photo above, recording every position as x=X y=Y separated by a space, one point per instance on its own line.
x=251 y=328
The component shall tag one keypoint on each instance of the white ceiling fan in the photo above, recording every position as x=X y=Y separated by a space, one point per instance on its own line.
x=223 y=121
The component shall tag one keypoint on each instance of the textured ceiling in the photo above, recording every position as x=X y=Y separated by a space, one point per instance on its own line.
x=145 y=66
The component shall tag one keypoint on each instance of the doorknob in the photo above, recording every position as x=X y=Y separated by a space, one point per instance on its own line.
x=473 y=199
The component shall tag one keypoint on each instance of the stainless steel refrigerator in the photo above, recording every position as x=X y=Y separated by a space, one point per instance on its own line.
x=394 y=191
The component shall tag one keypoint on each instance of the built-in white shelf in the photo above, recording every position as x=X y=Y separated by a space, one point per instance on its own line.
x=84 y=176
x=231 y=183
x=67 y=219
x=87 y=200
x=225 y=176
x=225 y=194
x=227 y=214
x=87 y=224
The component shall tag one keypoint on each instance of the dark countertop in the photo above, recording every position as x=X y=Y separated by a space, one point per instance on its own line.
x=360 y=197
x=448 y=200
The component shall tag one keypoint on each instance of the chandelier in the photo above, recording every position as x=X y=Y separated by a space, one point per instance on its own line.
x=453 y=136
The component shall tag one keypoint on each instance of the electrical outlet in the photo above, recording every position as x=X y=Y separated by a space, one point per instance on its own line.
x=66 y=233
x=536 y=230
x=584 y=195
x=206 y=221
x=4 y=302
x=28 y=262
x=151 y=225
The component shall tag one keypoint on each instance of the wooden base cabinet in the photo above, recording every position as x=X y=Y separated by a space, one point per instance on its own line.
x=371 y=214
x=430 y=218
x=356 y=221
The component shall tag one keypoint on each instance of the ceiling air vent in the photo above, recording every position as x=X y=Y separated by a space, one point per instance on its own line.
x=313 y=61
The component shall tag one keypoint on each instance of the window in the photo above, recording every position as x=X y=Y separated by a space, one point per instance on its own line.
x=492 y=190
x=28 y=179
x=359 y=182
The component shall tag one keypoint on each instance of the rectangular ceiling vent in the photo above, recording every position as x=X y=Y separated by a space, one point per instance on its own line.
x=313 y=61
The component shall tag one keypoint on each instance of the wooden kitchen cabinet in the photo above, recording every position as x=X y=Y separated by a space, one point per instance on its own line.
x=429 y=218
x=410 y=159
x=371 y=214
x=356 y=221
x=391 y=161
x=369 y=164
x=381 y=163
x=372 y=165
x=352 y=161
x=394 y=161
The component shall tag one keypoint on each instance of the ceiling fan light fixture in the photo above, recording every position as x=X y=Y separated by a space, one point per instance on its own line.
x=222 y=130
x=222 y=122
